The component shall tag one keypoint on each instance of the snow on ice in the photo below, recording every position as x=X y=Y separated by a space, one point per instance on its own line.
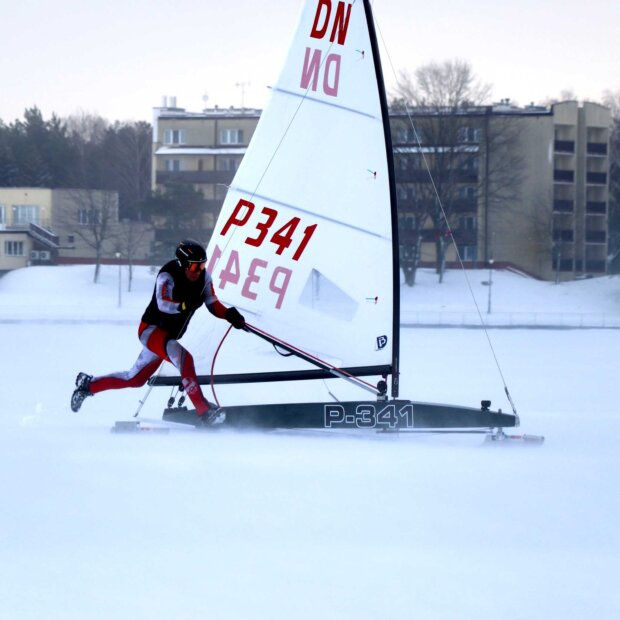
x=256 y=525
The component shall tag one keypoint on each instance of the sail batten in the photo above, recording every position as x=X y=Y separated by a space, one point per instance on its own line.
x=307 y=97
x=272 y=200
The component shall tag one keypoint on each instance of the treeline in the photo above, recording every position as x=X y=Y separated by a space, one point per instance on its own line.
x=81 y=152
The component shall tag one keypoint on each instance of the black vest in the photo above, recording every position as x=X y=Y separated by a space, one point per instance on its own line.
x=192 y=293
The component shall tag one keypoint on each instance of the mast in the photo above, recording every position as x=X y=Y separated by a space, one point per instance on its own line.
x=393 y=202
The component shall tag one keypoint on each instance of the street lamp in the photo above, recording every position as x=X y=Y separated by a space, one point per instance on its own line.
x=490 y=285
x=118 y=258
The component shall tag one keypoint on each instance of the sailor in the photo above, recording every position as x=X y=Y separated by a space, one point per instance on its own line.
x=182 y=286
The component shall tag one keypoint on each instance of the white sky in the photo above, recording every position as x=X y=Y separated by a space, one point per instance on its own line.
x=119 y=57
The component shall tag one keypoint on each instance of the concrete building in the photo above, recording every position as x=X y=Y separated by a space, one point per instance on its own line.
x=528 y=186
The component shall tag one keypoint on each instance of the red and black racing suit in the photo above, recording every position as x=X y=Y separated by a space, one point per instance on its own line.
x=174 y=301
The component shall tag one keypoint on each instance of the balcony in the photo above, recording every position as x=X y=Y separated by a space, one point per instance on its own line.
x=564 y=176
x=563 y=206
x=596 y=236
x=213 y=177
x=597 y=148
x=466 y=237
x=598 y=208
x=564 y=146
x=596 y=178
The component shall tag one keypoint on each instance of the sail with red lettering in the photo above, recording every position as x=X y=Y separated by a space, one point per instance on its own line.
x=304 y=244
x=306 y=248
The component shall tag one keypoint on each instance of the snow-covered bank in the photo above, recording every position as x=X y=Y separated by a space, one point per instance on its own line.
x=68 y=293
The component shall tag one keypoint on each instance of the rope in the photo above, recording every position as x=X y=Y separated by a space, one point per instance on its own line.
x=219 y=346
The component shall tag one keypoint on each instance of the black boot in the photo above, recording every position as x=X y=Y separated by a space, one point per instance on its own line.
x=215 y=415
x=77 y=398
x=82 y=391
x=82 y=381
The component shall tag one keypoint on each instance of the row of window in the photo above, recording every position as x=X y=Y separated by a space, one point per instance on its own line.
x=591 y=236
x=228 y=164
x=466 y=222
x=227 y=136
x=411 y=135
x=14 y=248
x=22 y=214
x=17 y=249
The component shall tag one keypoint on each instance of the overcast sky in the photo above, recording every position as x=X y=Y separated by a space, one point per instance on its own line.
x=118 y=58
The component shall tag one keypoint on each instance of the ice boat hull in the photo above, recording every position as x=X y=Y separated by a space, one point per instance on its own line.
x=378 y=415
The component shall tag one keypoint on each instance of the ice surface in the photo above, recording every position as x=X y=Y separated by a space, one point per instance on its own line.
x=249 y=525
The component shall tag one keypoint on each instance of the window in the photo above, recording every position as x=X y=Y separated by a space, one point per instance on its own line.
x=87 y=217
x=220 y=191
x=468 y=134
x=14 y=248
x=231 y=136
x=228 y=163
x=25 y=214
x=70 y=239
x=2 y=214
x=467 y=192
x=174 y=136
x=467 y=222
x=173 y=165
x=468 y=252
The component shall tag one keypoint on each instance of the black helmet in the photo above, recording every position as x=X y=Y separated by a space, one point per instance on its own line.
x=190 y=251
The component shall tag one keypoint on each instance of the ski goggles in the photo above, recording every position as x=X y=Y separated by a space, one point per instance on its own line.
x=197 y=267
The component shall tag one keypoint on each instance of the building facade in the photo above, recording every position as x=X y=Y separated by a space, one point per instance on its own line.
x=201 y=149
x=522 y=187
x=41 y=226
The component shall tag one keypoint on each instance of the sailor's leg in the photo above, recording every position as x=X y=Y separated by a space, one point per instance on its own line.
x=145 y=366
x=184 y=363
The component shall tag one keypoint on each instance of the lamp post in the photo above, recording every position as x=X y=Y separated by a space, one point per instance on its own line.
x=118 y=258
x=490 y=285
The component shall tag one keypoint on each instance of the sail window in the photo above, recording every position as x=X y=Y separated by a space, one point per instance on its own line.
x=320 y=293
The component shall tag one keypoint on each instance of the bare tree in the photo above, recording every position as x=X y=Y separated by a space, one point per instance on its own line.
x=92 y=216
x=440 y=102
x=448 y=85
x=131 y=236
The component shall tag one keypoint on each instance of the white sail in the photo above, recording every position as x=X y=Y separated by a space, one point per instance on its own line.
x=303 y=243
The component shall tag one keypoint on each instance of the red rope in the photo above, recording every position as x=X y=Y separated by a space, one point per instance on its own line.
x=213 y=364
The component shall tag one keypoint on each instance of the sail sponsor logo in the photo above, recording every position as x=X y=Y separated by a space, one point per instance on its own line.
x=266 y=227
x=381 y=342
x=369 y=415
x=330 y=20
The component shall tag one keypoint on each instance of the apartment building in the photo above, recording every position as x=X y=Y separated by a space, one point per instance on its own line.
x=522 y=187
x=202 y=149
x=581 y=186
